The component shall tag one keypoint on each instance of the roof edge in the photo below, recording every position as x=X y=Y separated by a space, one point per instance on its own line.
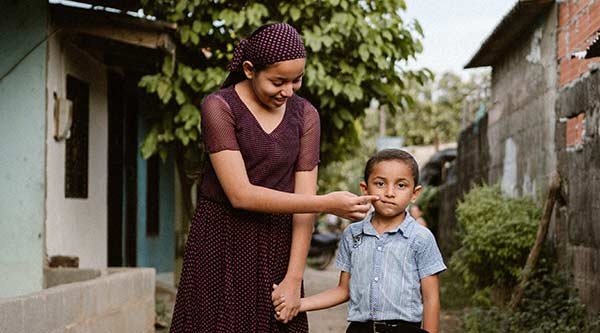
x=512 y=25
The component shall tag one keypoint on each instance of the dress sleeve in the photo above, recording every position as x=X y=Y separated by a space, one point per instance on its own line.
x=218 y=125
x=310 y=139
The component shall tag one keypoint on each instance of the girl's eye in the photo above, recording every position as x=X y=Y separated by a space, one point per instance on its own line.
x=401 y=185
x=278 y=83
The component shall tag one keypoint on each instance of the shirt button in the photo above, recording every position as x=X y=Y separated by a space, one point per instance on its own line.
x=379 y=248
x=376 y=278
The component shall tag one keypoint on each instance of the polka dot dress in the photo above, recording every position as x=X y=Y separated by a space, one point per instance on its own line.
x=233 y=256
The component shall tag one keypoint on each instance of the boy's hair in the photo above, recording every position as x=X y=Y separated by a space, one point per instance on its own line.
x=393 y=155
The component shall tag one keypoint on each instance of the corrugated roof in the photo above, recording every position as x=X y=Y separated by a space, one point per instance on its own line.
x=518 y=21
x=132 y=5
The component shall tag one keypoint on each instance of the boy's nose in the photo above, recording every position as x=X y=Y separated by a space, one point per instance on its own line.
x=389 y=191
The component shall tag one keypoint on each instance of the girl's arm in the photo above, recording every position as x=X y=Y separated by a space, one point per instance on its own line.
x=289 y=288
x=231 y=172
x=323 y=300
x=430 y=287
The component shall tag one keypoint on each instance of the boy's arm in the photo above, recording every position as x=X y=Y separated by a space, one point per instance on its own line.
x=326 y=299
x=330 y=297
x=430 y=287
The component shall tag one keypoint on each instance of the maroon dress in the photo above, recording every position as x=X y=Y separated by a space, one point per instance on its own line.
x=233 y=256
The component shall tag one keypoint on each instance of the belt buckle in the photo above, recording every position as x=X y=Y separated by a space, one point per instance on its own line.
x=379 y=326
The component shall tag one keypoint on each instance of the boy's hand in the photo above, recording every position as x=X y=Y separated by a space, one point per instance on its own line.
x=290 y=304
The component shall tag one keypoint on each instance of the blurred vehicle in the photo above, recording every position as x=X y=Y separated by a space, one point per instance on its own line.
x=433 y=173
x=324 y=242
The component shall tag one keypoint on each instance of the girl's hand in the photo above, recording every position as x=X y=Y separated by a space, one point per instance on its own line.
x=348 y=205
x=287 y=297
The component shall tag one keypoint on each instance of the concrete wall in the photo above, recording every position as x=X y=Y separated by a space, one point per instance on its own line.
x=77 y=227
x=578 y=229
x=121 y=302
x=521 y=121
x=22 y=152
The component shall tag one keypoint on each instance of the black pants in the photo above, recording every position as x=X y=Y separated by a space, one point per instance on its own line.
x=386 y=326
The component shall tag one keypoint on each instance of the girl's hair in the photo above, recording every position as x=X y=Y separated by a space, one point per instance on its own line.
x=239 y=76
x=393 y=155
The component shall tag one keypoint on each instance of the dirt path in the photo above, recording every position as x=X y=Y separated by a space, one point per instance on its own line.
x=325 y=321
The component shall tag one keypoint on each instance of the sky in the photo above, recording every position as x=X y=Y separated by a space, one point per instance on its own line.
x=454 y=30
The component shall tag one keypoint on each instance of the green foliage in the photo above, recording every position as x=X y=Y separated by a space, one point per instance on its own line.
x=549 y=305
x=436 y=114
x=346 y=173
x=355 y=53
x=497 y=234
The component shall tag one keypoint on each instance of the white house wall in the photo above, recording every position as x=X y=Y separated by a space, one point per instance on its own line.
x=77 y=227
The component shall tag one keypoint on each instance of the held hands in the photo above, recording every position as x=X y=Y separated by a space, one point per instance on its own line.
x=286 y=300
x=350 y=206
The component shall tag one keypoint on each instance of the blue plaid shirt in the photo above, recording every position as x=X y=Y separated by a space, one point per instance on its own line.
x=386 y=270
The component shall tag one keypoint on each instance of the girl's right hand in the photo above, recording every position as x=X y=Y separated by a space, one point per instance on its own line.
x=348 y=205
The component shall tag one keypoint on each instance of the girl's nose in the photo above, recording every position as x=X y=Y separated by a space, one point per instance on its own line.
x=288 y=90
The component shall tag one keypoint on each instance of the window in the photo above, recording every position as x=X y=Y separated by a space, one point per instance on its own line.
x=152 y=196
x=76 y=156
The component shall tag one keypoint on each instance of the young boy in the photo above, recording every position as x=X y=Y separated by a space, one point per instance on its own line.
x=389 y=263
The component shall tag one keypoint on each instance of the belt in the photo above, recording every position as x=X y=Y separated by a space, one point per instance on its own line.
x=387 y=326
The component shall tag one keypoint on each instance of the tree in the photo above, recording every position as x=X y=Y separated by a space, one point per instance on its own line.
x=439 y=107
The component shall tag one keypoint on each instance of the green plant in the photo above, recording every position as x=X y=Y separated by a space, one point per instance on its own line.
x=549 y=305
x=496 y=235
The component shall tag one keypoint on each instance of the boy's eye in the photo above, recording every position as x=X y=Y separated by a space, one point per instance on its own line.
x=378 y=183
x=401 y=185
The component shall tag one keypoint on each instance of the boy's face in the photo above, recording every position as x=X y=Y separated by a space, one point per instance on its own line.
x=393 y=182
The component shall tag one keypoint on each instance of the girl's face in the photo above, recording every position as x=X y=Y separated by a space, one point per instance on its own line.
x=276 y=83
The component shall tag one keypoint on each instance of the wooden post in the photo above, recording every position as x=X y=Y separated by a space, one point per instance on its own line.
x=553 y=194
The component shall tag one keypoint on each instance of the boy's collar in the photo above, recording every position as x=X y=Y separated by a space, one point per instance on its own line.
x=404 y=227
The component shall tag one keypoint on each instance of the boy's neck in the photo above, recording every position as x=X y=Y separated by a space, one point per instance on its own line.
x=384 y=224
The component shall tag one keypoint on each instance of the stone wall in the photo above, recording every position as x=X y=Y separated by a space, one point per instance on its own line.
x=578 y=228
x=119 y=301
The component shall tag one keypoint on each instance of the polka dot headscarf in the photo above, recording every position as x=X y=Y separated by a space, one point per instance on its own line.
x=267 y=45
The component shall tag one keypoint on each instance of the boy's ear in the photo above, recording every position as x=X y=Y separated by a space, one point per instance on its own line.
x=416 y=192
x=363 y=188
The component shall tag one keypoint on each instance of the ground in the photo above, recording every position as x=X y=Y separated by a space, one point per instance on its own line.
x=325 y=321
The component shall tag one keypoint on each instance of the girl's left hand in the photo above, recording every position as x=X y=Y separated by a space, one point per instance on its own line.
x=289 y=291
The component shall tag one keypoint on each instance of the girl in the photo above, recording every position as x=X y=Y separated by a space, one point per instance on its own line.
x=254 y=219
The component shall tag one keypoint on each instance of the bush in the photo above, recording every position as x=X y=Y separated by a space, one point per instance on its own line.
x=497 y=233
x=549 y=305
